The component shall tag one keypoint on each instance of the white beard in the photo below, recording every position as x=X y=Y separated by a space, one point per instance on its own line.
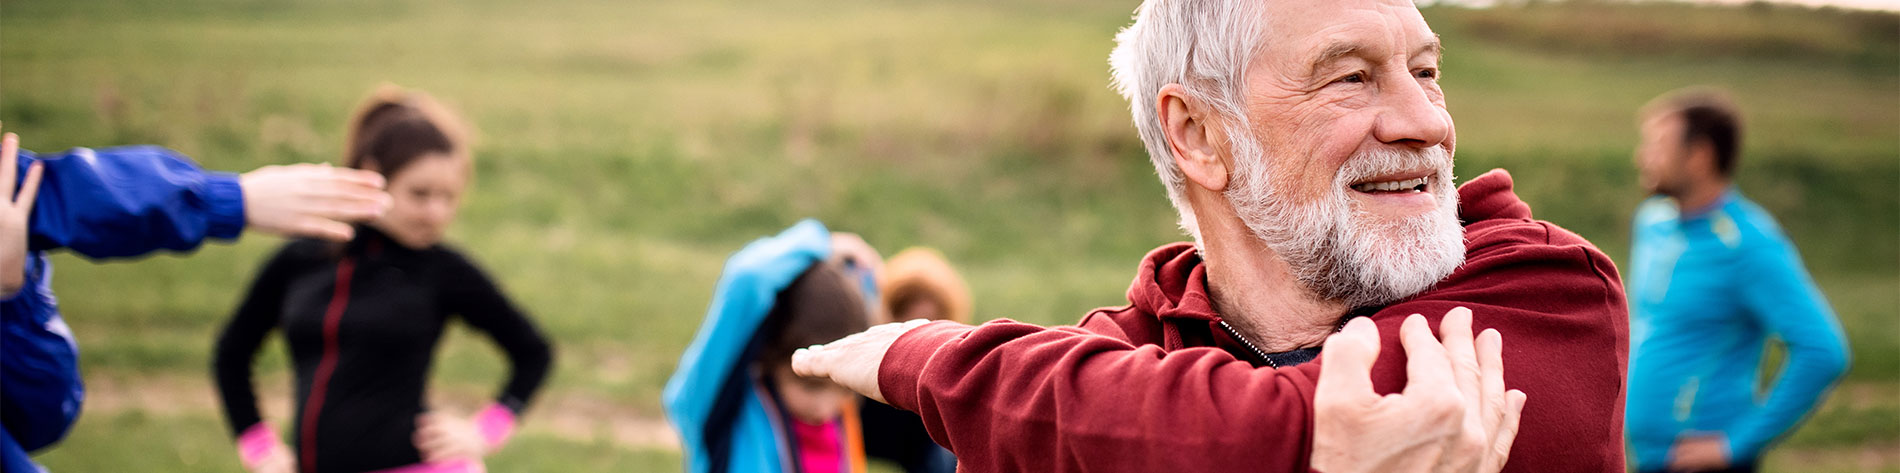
x=1341 y=252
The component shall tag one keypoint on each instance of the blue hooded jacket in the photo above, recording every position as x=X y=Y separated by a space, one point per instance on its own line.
x=107 y=203
x=725 y=418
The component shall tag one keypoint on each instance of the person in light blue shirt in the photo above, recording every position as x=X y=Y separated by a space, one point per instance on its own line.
x=1712 y=279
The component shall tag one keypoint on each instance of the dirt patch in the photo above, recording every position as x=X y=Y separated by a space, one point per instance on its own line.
x=570 y=416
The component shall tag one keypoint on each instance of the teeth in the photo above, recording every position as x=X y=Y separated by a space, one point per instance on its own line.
x=1391 y=186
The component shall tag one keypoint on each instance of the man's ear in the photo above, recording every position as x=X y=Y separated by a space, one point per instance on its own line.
x=1191 y=137
x=1699 y=159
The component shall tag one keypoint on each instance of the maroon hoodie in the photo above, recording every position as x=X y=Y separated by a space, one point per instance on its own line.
x=1157 y=386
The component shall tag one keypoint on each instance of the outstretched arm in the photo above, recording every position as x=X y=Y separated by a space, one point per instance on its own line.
x=133 y=200
x=1009 y=396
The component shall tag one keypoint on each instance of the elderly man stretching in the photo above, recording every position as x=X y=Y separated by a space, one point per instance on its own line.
x=1306 y=146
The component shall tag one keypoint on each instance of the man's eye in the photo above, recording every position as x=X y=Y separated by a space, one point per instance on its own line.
x=1354 y=78
x=1427 y=73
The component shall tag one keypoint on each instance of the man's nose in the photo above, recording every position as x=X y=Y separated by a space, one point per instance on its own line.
x=1410 y=118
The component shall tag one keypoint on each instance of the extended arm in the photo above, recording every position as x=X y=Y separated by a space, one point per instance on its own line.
x=133 y=200
x=1007 y=396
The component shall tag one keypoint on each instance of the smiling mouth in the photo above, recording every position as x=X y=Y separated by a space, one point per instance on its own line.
x=1403 y=186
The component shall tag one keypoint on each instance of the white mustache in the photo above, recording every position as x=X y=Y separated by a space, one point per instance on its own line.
x=1381 y=161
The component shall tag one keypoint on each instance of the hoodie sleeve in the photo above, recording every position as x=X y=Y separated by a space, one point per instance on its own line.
x=128 y=201
x=1558 y=302
x=1007 y=396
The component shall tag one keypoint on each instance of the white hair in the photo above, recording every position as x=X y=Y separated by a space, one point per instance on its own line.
x=1204 y=45
x=1336 y=250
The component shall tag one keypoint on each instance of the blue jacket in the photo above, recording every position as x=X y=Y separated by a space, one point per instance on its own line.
x=1707 y=289
x=108 y=203
x=726 y=420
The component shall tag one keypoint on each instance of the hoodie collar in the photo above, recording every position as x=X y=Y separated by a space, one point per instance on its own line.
x=1172 y=282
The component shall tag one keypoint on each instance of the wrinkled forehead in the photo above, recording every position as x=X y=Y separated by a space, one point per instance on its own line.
x=1304 y=31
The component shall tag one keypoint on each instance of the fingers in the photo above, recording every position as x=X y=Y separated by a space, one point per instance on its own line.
x=329 y=220
x=1349 y=356
x=278 y=460
x=1490 y=351
x=851 y=247
x=312 y=200
x=1455 y=331
x=819 y=361
x=1426 y=363
x=30 y=189
x=1507 y=432
x=278 y=463
x=811 y=362
x=853 y=362
x=346 y=194
x=357 y=177
x=346 y=208
x=324 y=229
x=425 y=432
x=9 y=162
x=357 y=186
x=440 y=438
x=355 y=193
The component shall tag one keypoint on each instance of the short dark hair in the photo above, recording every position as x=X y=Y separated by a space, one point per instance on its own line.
x=820 y=306
x=1708 y=116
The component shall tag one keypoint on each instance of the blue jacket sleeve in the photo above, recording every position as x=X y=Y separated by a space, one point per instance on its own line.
x=129 y=201
x=13 y=458
x=1781 y=297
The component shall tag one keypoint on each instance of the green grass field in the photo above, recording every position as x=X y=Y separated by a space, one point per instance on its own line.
x=627 y=147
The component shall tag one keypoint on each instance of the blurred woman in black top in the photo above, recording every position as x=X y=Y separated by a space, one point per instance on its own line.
x=362 y=319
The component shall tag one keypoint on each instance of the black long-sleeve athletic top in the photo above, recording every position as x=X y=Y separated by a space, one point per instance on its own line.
x=362 y=322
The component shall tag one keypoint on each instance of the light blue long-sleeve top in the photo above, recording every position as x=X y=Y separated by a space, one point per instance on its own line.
x=1708 y=288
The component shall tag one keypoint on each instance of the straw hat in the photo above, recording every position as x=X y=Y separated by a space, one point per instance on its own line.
x=921 y=274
